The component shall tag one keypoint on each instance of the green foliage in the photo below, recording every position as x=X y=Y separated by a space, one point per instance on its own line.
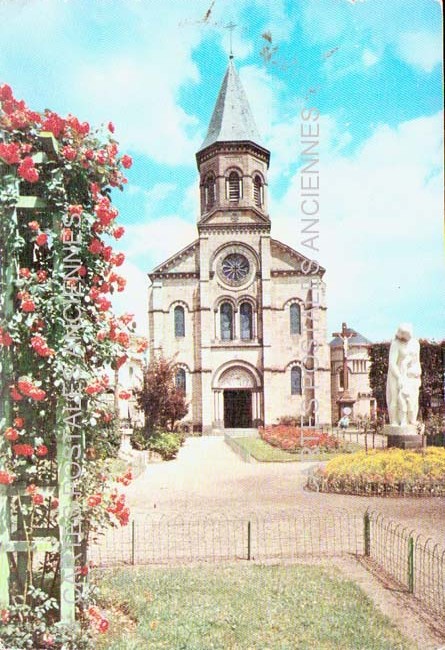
x=165 y=443
x=225 y=606
x=432 y=356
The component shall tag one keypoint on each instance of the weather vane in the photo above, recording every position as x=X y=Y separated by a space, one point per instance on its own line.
x=231 y=26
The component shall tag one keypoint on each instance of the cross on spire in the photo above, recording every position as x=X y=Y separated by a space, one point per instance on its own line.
x=230 y=26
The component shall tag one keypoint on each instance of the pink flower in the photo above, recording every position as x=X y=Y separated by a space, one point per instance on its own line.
x=10 y=153
x=69 y=152
x=6 y=478
x=118 y=232
x=126 y=161
x=95 y=246
x=33 y=225
x=23 y=450
x=27 y=171
x=42 y=239
x=11 y=434
x=5 y=338
x=41 y=451
x=5 y=92
x=28 y=305
x=37 y=499
x=111 y=127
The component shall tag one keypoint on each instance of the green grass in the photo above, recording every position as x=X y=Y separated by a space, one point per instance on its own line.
x=265 y=453
x=241 y=608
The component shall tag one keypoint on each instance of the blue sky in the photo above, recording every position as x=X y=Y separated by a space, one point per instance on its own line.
x=372 y=68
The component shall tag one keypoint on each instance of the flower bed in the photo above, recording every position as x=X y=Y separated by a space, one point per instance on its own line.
x=388 y=472
x=295 y=439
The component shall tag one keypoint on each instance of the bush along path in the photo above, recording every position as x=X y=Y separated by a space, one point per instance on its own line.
x=57 y=333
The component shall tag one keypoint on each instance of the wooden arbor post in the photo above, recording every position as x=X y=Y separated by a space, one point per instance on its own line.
x=47 y=540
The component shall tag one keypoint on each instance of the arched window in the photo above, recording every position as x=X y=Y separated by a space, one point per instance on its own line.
x=179 y=321
x=295 y=380
x=246 y=321
x=226 y=320
x=341 y=383
x=209 y=192
x=258 y=191
x=234 y=187
x=180 y=381
x=295 y=318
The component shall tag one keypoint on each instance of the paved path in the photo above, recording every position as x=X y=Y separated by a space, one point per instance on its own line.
x=208 y=477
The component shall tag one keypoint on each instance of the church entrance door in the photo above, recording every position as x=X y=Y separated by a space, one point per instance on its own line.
x=237 y=409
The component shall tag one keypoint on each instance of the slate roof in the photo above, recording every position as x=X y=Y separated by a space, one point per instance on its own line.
x=232 y=118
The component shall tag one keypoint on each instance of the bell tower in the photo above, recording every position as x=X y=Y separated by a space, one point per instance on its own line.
x=232 y=162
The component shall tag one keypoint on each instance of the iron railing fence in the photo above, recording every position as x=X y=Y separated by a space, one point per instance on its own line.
x=415 y=563
x=150 y=539
x=364 y=487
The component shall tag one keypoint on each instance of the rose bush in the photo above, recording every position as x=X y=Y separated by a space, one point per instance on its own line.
x=59 y=267
x=293 y=438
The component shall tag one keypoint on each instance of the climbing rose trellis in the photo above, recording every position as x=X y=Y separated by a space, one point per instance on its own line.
x=57 y=334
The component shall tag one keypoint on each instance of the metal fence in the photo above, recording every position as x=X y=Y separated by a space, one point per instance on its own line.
x=415 y=563
x=164 y=539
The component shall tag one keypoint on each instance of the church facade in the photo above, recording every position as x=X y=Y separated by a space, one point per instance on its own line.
x=236 y=308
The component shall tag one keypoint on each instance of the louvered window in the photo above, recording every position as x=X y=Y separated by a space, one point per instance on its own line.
x=210 y=194
x=234 y=187
x=258 y=191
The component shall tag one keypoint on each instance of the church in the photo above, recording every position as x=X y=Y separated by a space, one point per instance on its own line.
x=235 y=308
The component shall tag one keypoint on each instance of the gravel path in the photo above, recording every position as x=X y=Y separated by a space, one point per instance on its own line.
x=208 y=478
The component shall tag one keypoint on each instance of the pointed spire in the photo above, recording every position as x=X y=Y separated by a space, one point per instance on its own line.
x=232 y=119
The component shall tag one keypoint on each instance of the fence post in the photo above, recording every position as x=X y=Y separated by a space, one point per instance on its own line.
x=249 y=539
x=411 y=565
x=132 y=540
x=367 y=533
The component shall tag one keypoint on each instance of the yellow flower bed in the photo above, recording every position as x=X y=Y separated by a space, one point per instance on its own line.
x=398 y=471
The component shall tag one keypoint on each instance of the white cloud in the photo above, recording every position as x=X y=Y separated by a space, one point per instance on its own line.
x=421 y=49
x=380 y=230
x=369 y=58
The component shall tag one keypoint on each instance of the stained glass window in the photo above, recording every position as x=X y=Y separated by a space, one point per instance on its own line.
x=180 y=380
x=295 y=319
x=235 y=267
x=246 y=321
x=226 y=313
x=295 y=380
x=179 y=321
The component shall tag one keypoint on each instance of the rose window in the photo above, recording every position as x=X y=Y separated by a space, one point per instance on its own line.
x=235 y=267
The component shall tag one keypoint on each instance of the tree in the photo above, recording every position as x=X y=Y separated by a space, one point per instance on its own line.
x=432 y=360
x=162 y=402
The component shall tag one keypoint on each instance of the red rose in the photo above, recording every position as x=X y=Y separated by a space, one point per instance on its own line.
x=37 y=499
x=66 y=235
x=5 y=92
x=15 y=395
x=25 y=273
x=95 y=246
x=4 y=613
x=118 y=232
x=42 y=275
x=94 y=500
x=37 y=393
x=10 y=153
x=75 y=209
x=19 y=423
x=34 y=225
x=54 y=124
x=6 y=478
x=82 y=271
x=103 y=625
x=42 y=239
x=111 y=127
x=5 y=338
x=118 y=259
x=23 y=450
x=54 y=503
x=41 y=451
x=69 y=152
x=126 y=161
x=11 y=434
x=28 y=305
x=124 y=394
x=27 y=171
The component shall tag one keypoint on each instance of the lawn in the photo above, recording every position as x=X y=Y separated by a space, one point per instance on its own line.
x=266 y=453
x=240 y=608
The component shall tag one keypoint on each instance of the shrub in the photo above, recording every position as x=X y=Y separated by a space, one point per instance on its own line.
x=166 y=444
x=397 y=470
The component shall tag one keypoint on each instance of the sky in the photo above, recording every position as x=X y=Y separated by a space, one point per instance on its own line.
x=373 y=70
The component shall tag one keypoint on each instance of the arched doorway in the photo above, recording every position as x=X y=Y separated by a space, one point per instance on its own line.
x=237 y=398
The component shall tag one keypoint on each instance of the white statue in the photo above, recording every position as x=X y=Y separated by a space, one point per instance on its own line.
x=403 y=383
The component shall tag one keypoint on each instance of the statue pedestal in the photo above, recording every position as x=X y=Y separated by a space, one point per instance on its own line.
x=403 y=437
